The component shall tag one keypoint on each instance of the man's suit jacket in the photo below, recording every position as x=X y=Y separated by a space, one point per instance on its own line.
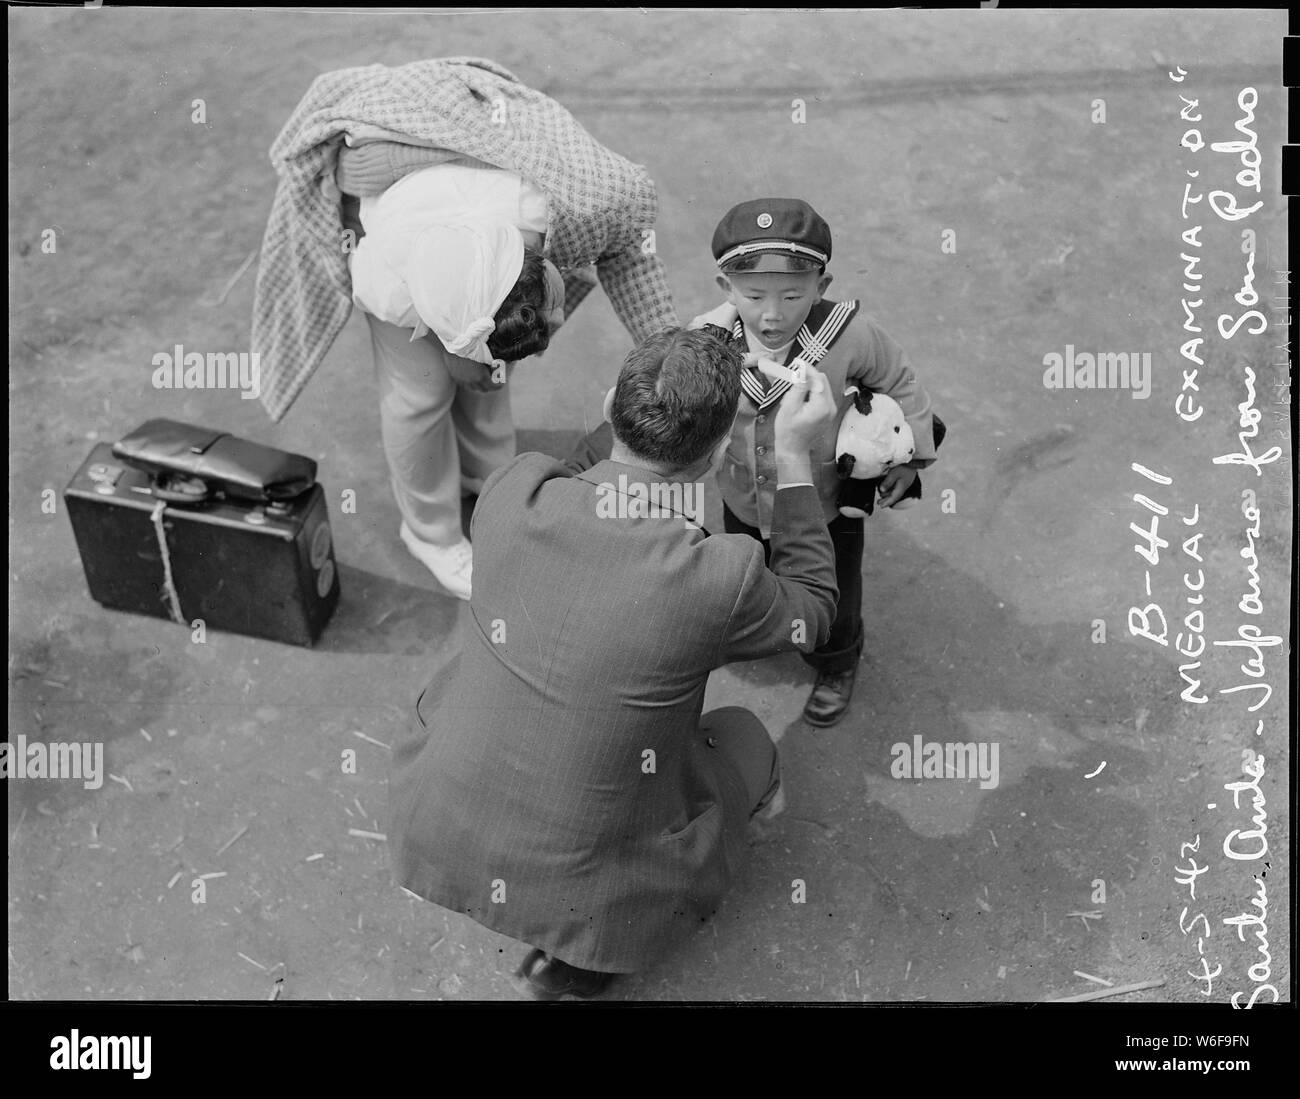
x=554 y=785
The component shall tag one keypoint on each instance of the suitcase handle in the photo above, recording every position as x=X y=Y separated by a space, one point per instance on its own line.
x=238 y=468
x=179 y=490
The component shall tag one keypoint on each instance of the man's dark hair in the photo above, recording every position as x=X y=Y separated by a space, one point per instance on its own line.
x=676 y=396
x=749 y=262
x=521 y=327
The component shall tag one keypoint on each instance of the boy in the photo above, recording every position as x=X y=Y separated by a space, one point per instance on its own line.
x=772 y=255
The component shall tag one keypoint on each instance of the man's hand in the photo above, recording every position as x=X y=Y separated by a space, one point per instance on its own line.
x=724 y=316
x=477 y=377
x=806 y=412
x=894 y=483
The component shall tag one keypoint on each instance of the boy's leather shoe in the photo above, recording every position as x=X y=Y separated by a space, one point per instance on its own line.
x=830 y=697
x=547 y=978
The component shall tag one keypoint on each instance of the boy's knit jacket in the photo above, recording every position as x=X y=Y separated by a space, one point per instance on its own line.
x=602 y=207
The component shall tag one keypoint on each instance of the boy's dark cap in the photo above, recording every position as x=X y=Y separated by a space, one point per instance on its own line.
x=784 y=226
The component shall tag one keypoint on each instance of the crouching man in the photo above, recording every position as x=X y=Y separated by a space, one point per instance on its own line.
x=559 y=783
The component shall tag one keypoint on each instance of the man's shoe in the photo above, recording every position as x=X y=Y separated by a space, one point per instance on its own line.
x=830 y=697
x=450 y=565
x=547 y=978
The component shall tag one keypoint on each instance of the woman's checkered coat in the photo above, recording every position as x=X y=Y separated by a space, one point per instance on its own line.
x=602 y=206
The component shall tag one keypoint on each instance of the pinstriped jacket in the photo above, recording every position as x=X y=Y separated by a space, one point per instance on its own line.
x=600 y=204
x=519 y=796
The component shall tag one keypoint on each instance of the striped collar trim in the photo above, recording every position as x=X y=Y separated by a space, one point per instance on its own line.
x=809 y=349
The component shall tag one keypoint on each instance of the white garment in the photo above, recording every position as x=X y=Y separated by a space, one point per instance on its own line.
x=387 y=263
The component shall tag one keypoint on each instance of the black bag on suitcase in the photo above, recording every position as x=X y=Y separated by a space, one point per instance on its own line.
x=187 y=523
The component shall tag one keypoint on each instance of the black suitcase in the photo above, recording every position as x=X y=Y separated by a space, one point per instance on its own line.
x=187 y=523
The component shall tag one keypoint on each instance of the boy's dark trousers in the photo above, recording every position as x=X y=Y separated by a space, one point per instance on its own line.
x=844 y=646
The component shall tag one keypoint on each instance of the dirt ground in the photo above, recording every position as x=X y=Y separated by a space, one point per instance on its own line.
x=986 y=604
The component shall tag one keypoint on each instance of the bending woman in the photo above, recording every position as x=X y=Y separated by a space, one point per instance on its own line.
x=584 y=212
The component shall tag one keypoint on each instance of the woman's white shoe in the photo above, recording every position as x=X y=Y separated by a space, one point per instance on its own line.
x=450 y=565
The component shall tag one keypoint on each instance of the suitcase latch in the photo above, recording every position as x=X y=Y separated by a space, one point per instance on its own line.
x=258 y=516
x=105 y=477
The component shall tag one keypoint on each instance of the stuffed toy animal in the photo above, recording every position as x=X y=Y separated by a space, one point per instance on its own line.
x=874 y=437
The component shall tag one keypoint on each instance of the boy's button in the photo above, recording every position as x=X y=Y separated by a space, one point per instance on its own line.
x=762 y=419
x=761 y=479
x=760 y=450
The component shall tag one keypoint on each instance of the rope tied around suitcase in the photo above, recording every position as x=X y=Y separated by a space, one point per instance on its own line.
x=172 y=599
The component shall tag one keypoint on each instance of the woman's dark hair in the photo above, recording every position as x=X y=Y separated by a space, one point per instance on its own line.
x=521 y=322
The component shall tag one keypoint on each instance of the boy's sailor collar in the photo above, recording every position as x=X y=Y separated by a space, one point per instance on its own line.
x=831 y=318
